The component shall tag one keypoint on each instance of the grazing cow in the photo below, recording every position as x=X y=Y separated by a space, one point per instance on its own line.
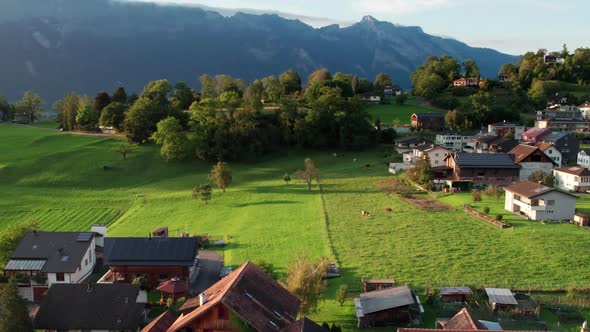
x=365 y=213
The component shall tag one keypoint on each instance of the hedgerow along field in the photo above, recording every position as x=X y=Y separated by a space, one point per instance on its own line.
x=59 y=180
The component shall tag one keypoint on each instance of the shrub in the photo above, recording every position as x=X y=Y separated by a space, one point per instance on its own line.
x=476 y=195
x=486 y=210
x=499 y=217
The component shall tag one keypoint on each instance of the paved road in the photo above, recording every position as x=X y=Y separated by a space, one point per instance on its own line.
x=211 y=264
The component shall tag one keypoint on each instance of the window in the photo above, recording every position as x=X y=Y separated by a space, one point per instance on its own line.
x=550 y=202
x=86 y=262
x=60 y=276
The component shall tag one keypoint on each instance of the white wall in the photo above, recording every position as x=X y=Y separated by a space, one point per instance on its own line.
x=82 y=273
x=565 y=181
x=583 y=159
x=563 y=208
x=554 y=155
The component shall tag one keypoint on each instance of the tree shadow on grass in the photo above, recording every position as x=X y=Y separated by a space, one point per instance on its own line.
x=265 y=202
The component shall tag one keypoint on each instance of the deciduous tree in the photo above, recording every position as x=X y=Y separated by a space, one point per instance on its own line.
x=305 y=281
x=87 y=118
x=203 y=192
x=309 y=173
x=30 y=106
x=221 y=175
x=119 y=95
x=14 y=315
x=113 y=116
x=342 y=294
x=174 y=143
x=542 y=177
x=290 y=82
x=124 y=150
x=101 y=100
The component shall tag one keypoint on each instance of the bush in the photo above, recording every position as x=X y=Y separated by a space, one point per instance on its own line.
x=486 y=210
x=499 y=217
x=476 y=195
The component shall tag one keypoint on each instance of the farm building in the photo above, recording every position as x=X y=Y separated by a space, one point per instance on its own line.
x=454 y=294
x=481 y=169
x=539 y=202
x=531 y=158
x=370 y=285
x=463 y=320
x=156 y=259
x=386 y=307
x=501 y=299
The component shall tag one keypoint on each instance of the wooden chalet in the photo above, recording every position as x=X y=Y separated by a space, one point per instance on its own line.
x=481 y=169
x=156 y=259
x=370 y=285
x=246 y=295
x=454 y=294
x=386 y=307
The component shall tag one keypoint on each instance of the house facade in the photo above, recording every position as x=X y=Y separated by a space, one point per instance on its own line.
x=584 y=158
x=489 y=143
x=572 y=178
x=43 y=259
x=575 y=126
x=482 y=169
x=428 y=121
x=454 y=141
x=567 y=144
x=552 y=152
x=467 y=81
x=435 y=153
x=409 y=143
x=531 y=158
x=538 y=202
x=504 y=128
x=559 y=111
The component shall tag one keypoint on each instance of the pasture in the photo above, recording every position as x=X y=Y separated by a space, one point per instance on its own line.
x=393 y=114
x=60 y=181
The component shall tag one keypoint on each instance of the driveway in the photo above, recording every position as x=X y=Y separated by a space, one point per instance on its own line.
x=210 y=264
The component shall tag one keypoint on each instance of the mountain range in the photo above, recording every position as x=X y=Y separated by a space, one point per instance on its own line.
x=56 y=46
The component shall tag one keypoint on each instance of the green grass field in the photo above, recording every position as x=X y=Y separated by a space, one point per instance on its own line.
x=59 y=180
x=396 y=114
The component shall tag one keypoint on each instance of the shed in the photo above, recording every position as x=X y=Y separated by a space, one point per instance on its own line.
x=370 y=285
x=386 y=307
x=581 y=219
x=454 y=294
x=501 y=299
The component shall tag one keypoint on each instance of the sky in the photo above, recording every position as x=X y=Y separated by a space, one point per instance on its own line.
x=510 y=26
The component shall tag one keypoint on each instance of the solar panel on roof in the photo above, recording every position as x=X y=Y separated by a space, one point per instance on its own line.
x=83 y=237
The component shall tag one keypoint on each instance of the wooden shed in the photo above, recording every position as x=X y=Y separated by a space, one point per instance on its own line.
x=386 y=307
x=454 y=294
x=370 y=285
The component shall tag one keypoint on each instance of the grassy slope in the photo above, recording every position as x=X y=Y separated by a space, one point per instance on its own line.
x=389 y=113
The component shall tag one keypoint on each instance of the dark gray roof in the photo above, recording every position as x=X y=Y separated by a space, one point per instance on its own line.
x=62 y=251
x=554 y=136
x=84 y=306
x=174 y=251
x=495 y=160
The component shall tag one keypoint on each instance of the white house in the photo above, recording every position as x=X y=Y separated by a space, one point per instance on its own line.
x=42 y=259
x=585 y=109
x=435 y=153
x=455 y=141
x=536 y=201
x=552 y=152
x=584 y=158
x=572 y=178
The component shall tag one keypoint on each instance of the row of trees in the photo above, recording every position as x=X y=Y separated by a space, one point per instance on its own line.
x=28 y=109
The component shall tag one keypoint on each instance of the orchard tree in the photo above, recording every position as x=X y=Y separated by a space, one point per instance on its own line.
x=309 y=173
x=203 y=192
x=342 y=294
x=30 y=106
x=14 y=314
x=305 y=280
x=124 y=150
x=221 y=175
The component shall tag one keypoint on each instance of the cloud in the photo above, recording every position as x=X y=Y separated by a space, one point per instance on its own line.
x=399 y=7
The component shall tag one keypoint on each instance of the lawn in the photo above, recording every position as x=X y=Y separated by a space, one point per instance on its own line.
x=395 y=114
x=60 y=181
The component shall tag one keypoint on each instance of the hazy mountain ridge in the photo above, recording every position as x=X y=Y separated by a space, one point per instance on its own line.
x=65 y=45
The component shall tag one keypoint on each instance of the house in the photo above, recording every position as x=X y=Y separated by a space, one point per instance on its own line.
x=584 y=158
x=551 y=151
x=371 y=98
x=435 y=153
x=535 y=135
x=155 y=258
x=501 y=299
x=304 y=325
x=572 y=178
x=455 y=141
x=90 y=307
x=536 y=201
x=161 y=323
x=48 y=258
x=246 y=294
x=464 y=320
x=370 y=285
x=428 y=121
x=505 y=128
x=409 y=143
x=581 y=219
x=553 y=59
x=560 y=111
x=585 y=109
x=481 y=169
x=467 y=81
x=392 y=90
x=386 y=307
x=454 y=294
x=566 y=143
x=567 y=125
x=531 y=158
x=490 y=143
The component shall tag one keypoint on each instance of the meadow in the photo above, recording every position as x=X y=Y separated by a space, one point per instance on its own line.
x=60 y=181
x=393 y=114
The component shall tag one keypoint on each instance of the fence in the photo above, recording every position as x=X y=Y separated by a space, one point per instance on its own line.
x=484 y=217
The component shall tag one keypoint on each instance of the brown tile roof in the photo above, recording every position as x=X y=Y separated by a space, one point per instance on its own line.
x=576 y=170
x=463 y=320
x=173 y=286
x=530 y=189
x=258 y=299
x=522 y=151
x=160 y=323
x=543 y=145
x=304 y=325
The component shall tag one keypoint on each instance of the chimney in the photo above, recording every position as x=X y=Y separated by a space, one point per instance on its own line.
x=202 y=299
